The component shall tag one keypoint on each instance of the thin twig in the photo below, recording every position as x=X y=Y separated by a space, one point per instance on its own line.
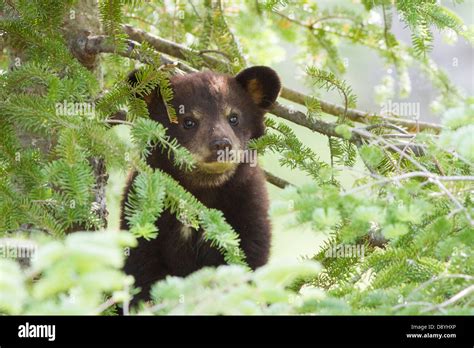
x=463 y=293
x=409 y=176
x=109 y=303
x=402 y=136
x=408 y=304
x=441 y=277
x=434 y=178
x=126 y=302
x=386 y=125
x=112 y=121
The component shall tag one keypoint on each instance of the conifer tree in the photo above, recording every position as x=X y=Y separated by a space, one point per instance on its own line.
x=63 y=93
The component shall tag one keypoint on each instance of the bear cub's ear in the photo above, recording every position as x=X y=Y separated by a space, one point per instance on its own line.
x=132 y=80
x=262 y=83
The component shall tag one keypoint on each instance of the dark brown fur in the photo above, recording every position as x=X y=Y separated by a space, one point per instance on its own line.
x=239 y=191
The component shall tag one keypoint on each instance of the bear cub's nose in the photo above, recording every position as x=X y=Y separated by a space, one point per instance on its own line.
x=220 y=144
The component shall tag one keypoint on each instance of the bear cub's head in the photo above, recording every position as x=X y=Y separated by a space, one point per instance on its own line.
x=217 y=114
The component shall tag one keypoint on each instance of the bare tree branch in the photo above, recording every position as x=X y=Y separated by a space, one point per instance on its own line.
x=168 y=47
x=275 y=180
x=316 y=125
x=357 y=115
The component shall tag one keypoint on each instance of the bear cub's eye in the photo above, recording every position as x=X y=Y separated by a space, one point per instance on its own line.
x=234 y=119
x=189 y=123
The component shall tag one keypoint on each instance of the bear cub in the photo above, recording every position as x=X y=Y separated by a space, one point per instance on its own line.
x=216 y=113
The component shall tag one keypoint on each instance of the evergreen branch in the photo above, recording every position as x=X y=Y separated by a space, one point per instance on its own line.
x=111 y=15
x=330 y=82
x=329 y=129
x=190 y=211
x=144 y=205
x=293 y=153
x=182 y=52
x=413 y=204
x=297 y=117
x=148 y=133
x=99 y=44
